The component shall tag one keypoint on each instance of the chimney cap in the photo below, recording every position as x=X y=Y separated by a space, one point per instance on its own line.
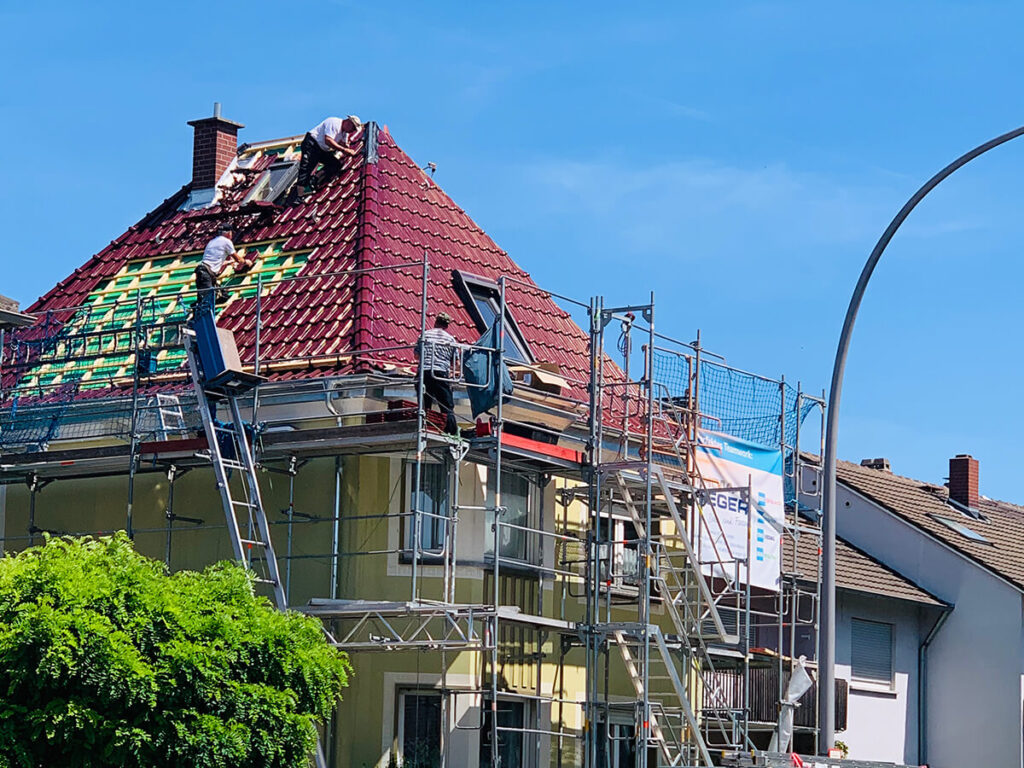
x=216 y=119
x=879 y=463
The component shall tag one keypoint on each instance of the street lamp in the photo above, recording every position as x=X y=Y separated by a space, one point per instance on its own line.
x=827 y=623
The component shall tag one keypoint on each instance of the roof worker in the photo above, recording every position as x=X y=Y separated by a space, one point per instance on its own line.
x=437 y=353
x=327 y=143
x=215 y=258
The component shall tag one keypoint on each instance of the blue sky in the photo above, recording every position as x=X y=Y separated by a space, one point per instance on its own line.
x=740 y=159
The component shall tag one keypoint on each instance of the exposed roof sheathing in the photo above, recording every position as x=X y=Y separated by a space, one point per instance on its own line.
x=380 y=211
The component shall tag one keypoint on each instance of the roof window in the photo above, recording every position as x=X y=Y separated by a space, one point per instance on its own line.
x=274 y=182
x=483 y=300
x=963 y=530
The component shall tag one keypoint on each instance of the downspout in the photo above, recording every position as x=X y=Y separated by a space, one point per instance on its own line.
x=922 y=686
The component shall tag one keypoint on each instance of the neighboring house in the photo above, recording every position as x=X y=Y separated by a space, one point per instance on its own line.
x=881 y=619
x=967 y=662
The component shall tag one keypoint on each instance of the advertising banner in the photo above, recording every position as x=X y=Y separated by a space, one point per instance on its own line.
x=729 y=462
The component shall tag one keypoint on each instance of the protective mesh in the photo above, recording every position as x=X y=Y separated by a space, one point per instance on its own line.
x=731 y=401
x=28 y=426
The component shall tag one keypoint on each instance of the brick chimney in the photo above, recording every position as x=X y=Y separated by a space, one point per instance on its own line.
x=214 y=146
x=963 y=480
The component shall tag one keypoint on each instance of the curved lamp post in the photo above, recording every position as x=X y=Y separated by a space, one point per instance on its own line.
x=827 y=624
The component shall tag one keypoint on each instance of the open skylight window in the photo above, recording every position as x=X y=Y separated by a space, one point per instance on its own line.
x=963 y=530
x=274 y=182
x=483 y=300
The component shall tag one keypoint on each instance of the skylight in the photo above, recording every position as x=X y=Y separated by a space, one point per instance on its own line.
x=483 y=302
x=963 y=530
x=274 y=182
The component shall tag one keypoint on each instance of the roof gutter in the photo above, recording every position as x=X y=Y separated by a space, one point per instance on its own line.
x=922 y=685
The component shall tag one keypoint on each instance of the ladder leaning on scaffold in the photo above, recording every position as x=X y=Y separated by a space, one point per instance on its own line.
x=230 y=451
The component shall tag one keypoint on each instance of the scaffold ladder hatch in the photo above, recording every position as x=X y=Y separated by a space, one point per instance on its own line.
x=217 y=376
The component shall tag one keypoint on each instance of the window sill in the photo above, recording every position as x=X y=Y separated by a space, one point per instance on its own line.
x=515 y=566
x=878 y=689
x=425 y=558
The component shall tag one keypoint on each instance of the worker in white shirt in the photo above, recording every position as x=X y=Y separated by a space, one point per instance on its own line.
x=322 y=144
x=215 y=258
x=437 y=353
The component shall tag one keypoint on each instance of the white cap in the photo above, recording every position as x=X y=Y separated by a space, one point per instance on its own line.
x=355 y=120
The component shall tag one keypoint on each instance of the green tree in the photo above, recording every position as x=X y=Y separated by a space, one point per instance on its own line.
x=108 y=660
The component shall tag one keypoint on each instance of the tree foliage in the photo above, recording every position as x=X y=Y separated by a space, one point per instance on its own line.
x=107 y=660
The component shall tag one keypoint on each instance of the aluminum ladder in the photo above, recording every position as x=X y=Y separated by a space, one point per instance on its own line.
x=170 y=416
x=243 y=506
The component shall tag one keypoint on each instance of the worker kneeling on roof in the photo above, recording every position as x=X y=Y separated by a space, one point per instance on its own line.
x=215 y=259
x=328 y=143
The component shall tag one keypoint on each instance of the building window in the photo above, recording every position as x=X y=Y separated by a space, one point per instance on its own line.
x=617 y=747
x=959 y=527
x=511 y=721
x=274 y=182
x=871 y=651
x=419 y=729
x=483 y=300
x=432 y=501
x=517 y=496
x=619 y=552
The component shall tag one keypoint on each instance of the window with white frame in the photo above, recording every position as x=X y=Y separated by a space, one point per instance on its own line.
x=518 y=497
x=420 y=719
x=871 y=651
x=618 y=550
x=431 y=499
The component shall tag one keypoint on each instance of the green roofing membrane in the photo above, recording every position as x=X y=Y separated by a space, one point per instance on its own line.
x=96 y=347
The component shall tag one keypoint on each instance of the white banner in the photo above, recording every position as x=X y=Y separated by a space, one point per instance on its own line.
x=725 y=525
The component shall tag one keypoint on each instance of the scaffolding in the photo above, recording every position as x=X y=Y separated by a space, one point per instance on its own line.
x=658 y=614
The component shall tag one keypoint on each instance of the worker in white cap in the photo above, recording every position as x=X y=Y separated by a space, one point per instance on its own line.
x=437 y=355
x=330 y=142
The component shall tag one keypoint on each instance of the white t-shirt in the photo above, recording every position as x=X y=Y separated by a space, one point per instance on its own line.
x=331 y=127
x=217 y=251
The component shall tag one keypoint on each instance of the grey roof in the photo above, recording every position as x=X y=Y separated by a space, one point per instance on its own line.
x=855 y=570
x=917 y=502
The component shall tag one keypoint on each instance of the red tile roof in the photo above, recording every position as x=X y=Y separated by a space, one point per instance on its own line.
x=380 y=211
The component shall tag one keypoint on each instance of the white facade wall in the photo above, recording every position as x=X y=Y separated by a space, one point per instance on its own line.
x=881 y=720
x=974 y=664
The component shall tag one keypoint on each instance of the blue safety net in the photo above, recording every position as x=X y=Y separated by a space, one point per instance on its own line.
x=750 y=407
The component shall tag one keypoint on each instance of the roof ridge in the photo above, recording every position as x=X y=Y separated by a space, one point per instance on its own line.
x=367 y=230
x=890 y=473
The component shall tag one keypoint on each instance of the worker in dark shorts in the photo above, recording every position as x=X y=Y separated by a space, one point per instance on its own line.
x=332 y=135
x=437 y=353
x=215 y=258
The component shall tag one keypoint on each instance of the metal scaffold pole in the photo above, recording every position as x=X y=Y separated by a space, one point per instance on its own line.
x=498 y=368
x=421 y=443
